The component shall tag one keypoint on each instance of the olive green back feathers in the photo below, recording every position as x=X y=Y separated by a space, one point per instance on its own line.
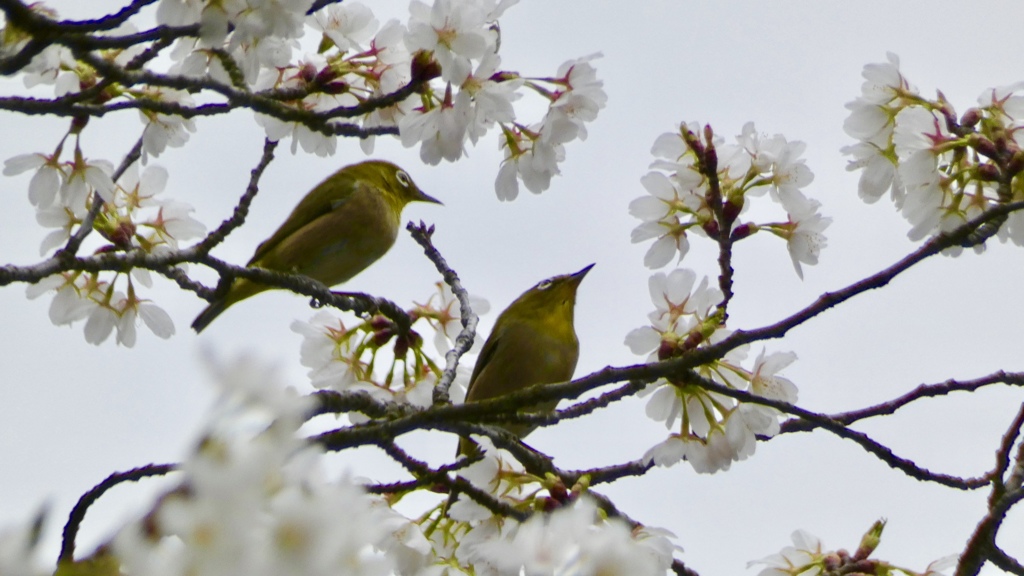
x=343 y=225
x=533 y=342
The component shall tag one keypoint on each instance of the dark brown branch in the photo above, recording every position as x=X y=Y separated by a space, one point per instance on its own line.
x=262 y=102
x=919 y=393
x=824 y=422
x=458 y=484
x=680 y=569
x=67 y=548
x=829 y=300
x=981 y=546
x=242 y=208
x=431 y=478
x=320 y=4
x=1004 y=561
x=503 y=409
x=16 y=62
x=331 y=402
x=179 y=277
x=1015 y=480
x=107 y=22
x=40 y=24
x=1010 y=437
x=579 y=409
x=610 y=473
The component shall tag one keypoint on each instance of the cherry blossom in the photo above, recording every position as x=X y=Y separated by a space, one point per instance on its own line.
x=349 y=26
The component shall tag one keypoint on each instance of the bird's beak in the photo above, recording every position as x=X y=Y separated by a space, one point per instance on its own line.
x=424 y=197
x=578 y=276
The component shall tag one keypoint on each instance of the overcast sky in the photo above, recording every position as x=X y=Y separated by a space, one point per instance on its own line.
x=72 y=413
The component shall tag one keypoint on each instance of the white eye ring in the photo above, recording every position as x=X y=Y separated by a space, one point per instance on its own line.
x=544 y=284
x=403 y=178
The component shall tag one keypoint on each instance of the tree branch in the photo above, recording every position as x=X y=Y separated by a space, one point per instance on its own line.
x=464 y=341
x=919 y=393
x=67 y=548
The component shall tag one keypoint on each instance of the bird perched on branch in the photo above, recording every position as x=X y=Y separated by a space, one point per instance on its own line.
x=342 y=226
x=533 y=342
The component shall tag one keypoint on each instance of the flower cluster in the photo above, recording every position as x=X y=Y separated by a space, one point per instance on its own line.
x=257 y=34
x=574 y=538
x=532 y=152
x=713 y=430
x=255 y=499
x=130 y=217
x=499 y=474
x=251 y=45
x=56 y=65
x=343 y=358
x=940 y=170
x=444 y=314
x=684 y=195
x=808 y=556
x=358 y=61
x=700 y=184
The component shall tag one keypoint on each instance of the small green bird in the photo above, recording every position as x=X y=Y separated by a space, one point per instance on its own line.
x=342 y=226
x=533 y=342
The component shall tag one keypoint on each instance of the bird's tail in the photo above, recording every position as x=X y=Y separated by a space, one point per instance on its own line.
x=208 y=314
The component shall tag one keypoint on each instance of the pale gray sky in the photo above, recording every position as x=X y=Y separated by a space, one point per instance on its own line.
x=72 y=413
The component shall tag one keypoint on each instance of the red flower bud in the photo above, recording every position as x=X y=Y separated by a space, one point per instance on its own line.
x=559 y=492
x=741 y=232
x=380 y=322
x=307 y=73
x=711 y=158
x=988 y=172
x=78 y=123
x=405 y=341
x=730 y=210
x=711 y=228
x=326 y=75
x=548 y=504
x=984 y=146
x=1016 y=163
x=381 y=337
x=971 y=117
x=424 y=68
x=335 y=88
x=692 y=341
x=667 y=350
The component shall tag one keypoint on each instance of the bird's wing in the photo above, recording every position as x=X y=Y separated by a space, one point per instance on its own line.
x=516 y=356
x=328 y=196
x=485 y=357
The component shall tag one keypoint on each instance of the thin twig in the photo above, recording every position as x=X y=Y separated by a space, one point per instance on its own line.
x=1010 y=437
x=464 y=341
x=981 y=545
x=420 y=469
x=67 y=548
x=921 y=392
x=242 y=208
x=824 y=422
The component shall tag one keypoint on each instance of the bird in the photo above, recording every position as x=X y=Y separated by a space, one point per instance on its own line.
x=533 y=342
x=343 y=225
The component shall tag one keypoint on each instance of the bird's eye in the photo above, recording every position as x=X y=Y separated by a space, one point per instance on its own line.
x=544 y=285
x=403 y=178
